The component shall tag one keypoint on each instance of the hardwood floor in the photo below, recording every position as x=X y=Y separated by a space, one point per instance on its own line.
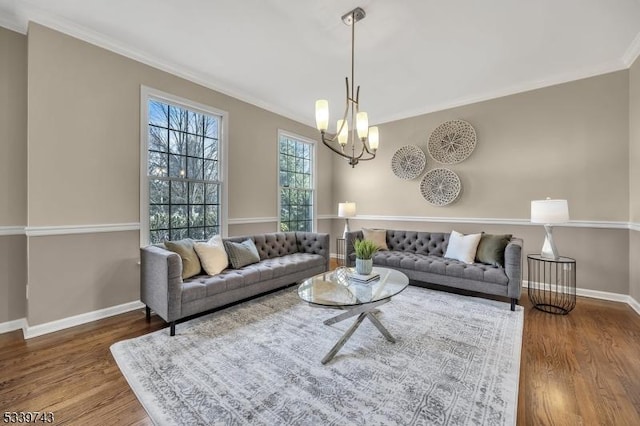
x=579 y=369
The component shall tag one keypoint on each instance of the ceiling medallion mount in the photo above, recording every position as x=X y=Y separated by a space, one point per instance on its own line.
x=354 y=147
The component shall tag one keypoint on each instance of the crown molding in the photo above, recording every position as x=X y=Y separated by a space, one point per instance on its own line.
x=632 y=52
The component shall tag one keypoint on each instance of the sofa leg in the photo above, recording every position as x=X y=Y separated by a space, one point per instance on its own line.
x=172 y=328
x=513 y=304
x=148 y=312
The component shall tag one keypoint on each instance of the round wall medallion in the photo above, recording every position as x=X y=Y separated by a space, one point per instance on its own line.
x=440 y=187
x=408 y=162
x=452 y=141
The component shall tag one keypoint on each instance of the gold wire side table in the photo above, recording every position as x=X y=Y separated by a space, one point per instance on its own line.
x=552 y=283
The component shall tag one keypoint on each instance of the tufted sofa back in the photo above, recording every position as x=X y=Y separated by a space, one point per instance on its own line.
x=272 y=245
x=428 y=243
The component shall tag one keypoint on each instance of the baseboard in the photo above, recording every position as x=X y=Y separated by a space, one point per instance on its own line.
x=602 y=295
x=50 y=327
x=8 y=326
x=634 y=304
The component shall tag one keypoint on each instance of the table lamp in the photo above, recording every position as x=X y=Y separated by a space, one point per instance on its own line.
x=549 y=212
x=346 y=210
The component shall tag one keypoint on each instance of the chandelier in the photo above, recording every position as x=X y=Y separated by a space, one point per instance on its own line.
x=347 y=145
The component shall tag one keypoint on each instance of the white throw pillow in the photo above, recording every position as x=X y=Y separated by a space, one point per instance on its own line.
x=463 y=247
x=213 y=256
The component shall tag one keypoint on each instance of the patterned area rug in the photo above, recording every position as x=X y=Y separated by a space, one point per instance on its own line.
x=456 y=362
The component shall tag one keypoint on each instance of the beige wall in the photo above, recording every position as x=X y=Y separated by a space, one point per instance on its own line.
x=84 y=144
x=13 y=166
x=567 y=141
x=634 y=179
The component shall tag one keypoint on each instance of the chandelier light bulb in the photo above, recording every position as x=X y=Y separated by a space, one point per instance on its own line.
x=322 y=114
x=362 y=124
x=374 y=138
x=342 y=129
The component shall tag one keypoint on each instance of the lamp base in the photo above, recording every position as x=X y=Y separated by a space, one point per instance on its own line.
x=346 y=229
x=549 y=249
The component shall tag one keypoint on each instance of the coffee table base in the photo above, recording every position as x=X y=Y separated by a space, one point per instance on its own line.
x=363 y=311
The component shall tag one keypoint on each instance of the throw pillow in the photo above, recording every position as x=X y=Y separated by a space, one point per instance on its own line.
x=462 y=247
x=378 y=236
x=213 y=255
x=242 y=254
x=491 y=249
x=190 y=261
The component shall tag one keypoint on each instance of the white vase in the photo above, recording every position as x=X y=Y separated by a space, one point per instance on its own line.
x=364 y=266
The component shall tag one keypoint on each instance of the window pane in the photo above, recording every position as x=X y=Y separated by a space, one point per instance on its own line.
x=158 y=113
x=177 y=142
x=195 y=123
x=211 y=170
x=211 y=148
x=158 y=191
x=196 y=215
x=211 y=216
x=179 y=218
x=195 y=146
x=157 y=164
x=158 y=236
x=178 y=118
x=211 y=127
x=178 y=192
x=197 y=233
x=211 y=193
x=196 y=193
x=177 y=166
x=159 y=217
x=179 y=234
x=158 y=139
x=194 y=168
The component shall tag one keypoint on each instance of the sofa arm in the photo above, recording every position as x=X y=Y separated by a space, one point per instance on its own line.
x=315 y=243
x=161 y=281
x=513 y=267
x=349 y=250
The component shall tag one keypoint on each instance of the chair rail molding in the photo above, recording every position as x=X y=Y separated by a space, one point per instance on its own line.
x=12 y=230
x=39 y=231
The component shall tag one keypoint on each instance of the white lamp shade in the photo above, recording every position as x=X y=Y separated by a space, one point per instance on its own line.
x=346 y=209
x=362 y=124
x=549 y=211
x=322 y=114
x=374 y=138
x=342 y=128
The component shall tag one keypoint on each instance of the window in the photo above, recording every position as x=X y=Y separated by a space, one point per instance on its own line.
x=183 y=175
x=296 y=183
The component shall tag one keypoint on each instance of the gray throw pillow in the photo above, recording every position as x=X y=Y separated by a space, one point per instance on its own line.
x=242 y=254
x=491 y=249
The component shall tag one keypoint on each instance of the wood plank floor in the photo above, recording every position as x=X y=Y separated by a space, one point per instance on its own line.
x=579 y=369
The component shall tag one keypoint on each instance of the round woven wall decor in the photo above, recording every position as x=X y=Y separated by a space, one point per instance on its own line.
x=408 y=162
x=440 y=187
x=452 y=142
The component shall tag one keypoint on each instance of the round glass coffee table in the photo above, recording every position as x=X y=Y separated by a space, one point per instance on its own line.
x=338 y=289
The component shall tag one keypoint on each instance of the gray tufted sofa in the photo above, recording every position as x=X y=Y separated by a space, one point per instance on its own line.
x=285 y=258
x=419 y=255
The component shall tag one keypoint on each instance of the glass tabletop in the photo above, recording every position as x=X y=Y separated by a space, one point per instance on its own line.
x=338 y=288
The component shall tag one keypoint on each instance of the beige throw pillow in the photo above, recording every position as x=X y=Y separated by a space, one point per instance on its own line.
x=463 y=247
x=213 y=256
x=378 y=236
x=190 y=261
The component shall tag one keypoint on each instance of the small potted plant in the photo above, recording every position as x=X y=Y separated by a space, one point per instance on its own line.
x=364 y=249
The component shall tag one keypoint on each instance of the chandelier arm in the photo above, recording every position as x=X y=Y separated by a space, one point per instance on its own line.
x=332 y=148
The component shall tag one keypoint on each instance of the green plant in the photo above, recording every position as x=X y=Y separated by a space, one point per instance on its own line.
x=365 y=249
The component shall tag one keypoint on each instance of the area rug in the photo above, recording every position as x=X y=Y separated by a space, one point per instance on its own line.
x=456 y=362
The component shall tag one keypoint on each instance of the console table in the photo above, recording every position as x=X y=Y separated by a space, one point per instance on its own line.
x=552 y=283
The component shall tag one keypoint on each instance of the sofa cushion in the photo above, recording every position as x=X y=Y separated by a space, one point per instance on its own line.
x=190 y=261
x=213 y=255
x=491 y=249
x=463 y=247
x=440 y=266
x=242 y=254
x=432 y=243
x=378 y=236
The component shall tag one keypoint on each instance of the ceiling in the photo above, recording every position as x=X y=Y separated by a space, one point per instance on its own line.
x=412 y=56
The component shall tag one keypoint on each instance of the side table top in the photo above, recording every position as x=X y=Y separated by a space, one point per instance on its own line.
x=560 y=259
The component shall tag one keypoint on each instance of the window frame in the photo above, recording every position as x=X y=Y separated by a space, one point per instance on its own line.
x=147 y=94
x=314 y=177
